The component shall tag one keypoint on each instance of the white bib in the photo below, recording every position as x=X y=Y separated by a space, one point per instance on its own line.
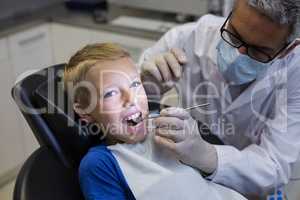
x=153 y=173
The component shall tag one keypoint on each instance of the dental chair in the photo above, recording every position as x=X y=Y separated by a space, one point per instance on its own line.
x=50 y=173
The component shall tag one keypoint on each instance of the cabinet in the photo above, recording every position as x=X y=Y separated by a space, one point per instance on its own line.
x=29 y=51
x=11 y=137
x=67 y=40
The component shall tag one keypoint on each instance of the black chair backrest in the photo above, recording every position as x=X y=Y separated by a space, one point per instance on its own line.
x=44 y=177
x=44 y=104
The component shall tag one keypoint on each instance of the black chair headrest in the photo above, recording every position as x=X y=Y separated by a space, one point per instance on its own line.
x=45 y=106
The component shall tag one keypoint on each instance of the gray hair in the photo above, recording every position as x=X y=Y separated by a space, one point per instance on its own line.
x=281 y=11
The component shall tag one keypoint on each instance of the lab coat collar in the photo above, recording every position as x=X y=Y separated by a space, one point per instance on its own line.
x=291 y=47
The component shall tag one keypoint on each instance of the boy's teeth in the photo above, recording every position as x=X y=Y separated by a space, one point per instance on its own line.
x=136 y=115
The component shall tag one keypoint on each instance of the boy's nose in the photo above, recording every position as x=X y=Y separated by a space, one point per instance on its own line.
x=129 y=98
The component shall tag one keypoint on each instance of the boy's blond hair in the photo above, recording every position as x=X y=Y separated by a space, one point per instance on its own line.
x=80 y=63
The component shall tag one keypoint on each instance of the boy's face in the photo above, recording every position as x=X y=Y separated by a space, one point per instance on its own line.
x=121 y=101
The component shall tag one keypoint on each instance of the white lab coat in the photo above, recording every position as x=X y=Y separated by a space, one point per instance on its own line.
x=260 y=127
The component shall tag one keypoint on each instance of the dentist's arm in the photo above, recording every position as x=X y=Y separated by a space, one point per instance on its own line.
x=259 y=168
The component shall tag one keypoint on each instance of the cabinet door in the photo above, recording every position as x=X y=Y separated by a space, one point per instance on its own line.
x=67 y=40
x=30 y=50
x=134 y=45
x=11 y=133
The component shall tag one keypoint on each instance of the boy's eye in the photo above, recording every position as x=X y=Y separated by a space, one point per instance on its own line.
x=136 y=84
x=110 y=93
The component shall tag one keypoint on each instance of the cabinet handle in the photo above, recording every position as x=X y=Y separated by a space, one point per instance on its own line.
x=31 y=39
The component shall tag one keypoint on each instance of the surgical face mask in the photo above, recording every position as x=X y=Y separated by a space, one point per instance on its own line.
x=237 y=68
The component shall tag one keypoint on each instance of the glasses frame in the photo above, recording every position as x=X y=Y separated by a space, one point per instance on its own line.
x=244 y=44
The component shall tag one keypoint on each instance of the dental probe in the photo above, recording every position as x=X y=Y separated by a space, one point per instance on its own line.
x=156 y=115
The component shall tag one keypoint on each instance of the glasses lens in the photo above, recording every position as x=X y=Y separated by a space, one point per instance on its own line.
x=258 y=55
x=231 y=39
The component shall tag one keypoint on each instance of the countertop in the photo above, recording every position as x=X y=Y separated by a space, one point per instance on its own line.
x=58 y=13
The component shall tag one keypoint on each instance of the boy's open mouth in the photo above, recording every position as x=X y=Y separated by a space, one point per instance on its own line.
x=134 y=119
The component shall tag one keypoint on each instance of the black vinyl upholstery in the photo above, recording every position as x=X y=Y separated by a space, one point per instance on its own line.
x=44 y=177
x=50 y=121
x=51 y=171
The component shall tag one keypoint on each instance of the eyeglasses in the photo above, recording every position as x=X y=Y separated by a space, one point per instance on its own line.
x=251 y=51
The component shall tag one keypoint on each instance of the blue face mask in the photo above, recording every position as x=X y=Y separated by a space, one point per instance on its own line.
x=237 y=68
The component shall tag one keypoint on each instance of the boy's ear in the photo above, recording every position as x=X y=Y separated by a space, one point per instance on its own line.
x=87 y=117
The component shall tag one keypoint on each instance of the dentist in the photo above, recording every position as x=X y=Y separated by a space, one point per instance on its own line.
x=248 y=68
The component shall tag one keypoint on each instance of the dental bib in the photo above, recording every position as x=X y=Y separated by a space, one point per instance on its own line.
x=153 y=173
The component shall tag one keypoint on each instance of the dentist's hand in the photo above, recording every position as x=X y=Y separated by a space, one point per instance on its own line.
x=177 y=131
x=164 y=69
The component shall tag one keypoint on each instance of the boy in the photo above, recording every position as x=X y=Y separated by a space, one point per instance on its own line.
x=120 y=105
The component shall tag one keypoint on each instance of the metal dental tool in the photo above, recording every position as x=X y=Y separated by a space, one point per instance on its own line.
x=156 y=115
